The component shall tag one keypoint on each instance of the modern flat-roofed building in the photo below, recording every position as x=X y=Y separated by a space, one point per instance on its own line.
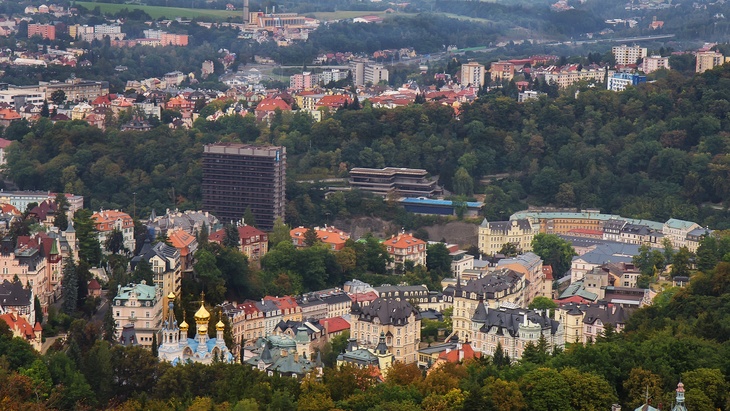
x=706 y=60
x=241 y=176
x=472 y=73
x=408 y=182
x=628 y=55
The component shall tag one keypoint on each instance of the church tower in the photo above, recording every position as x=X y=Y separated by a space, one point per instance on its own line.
x=202 y=317
x=679 y=406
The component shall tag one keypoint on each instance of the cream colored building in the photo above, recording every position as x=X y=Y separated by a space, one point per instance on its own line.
x=565 y=78
x=676 y=231
x=140 y=305
x=530 y=266
x=494 y=289
x=164 y=260
x=625 y=55
x=472 y=73
x=494 y=235
x=706 y=60
x=397 y=320
x=654 y=63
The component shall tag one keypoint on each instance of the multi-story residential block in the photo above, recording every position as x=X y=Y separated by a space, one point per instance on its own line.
x=271 y=315
x=312 y=306
x=494 y=289
x=75 y=89
x=165 y=262
x=46 y=31
x=677 y=230
x=290 y=310
x=337 y=303
x=249 y=323
x=375 y=74
x=558 y=222
x=141 y=306
x=19 y=97
x=241 y=176
x=528 y=95
x=405 y=247
x=502 y=71
x=530 y=266
x=186 y=244
x=305 y=81
x=654 y=63
x=473 y=74
x=706 y=60
x=21 y=199
x=585 y=322
x=570 y=75
x=619 y=81
x=27 y=260
x=329 y=76
x=514 y=329
x=494 y=235
x=460 y=261
x=170 y=39
x=395 y=319
x=601 y=254
x=334 y=239
x=408 y=182
x=694 y=238
x=626 y=55
x=110 y=220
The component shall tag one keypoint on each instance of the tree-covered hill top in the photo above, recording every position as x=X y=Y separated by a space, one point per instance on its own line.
x=656 y=151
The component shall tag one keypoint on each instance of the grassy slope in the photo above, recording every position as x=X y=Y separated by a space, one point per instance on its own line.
x=160 y=11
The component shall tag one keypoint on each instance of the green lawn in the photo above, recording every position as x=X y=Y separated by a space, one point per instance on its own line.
x=160 y=11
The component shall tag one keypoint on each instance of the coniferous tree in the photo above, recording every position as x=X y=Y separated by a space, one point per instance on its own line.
x=110 y=326
x=60 y=218
x=231 y=239
x=310 y=237
x=69 y=282
x=38 y=310
x=154 y=345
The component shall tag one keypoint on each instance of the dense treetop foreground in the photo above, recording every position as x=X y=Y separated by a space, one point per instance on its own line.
x=682 y=336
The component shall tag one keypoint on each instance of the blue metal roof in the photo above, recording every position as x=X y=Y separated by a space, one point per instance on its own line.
x=447 y=203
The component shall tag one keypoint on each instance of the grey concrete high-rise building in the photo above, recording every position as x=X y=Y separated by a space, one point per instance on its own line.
x=239 y=176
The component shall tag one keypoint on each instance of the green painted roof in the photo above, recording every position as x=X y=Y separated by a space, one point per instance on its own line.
x=143 y=291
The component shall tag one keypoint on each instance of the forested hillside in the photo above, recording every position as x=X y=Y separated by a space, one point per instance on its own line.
x=656 y=152
x=683 y=336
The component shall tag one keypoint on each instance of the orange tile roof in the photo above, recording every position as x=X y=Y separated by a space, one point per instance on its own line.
x=105 y=219
x=272 y=103
x=8 y=114
x=328 y=235
x=181 y=240
x=8 y=208
x=403 y=241
x=363 y=297
x=16 y=322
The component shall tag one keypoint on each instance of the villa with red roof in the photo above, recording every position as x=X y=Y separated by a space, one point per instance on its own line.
x=109 y=220
x=253 y=243
x=186 y=244
x=330 y=235
x=334 y=326
x=21 y=328
x=268 y=106
x=290 y=310
x=405 y=247
x=333 y=102
x=463 y=352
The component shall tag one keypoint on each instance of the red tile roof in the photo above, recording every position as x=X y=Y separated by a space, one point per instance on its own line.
x=335 y=324
x=284 y=303
x=4 y=143
x=271 y=104
x=455 y=356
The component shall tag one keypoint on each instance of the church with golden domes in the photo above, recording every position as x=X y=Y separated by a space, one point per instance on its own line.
x=176 y=348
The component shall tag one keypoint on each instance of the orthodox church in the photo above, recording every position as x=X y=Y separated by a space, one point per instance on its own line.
x=176 y=348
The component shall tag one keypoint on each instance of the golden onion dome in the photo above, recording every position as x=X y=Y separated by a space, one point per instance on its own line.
x=202 y=314
x=171 y=296
x=203 y=329
x=183 y=326
x=220 y=326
